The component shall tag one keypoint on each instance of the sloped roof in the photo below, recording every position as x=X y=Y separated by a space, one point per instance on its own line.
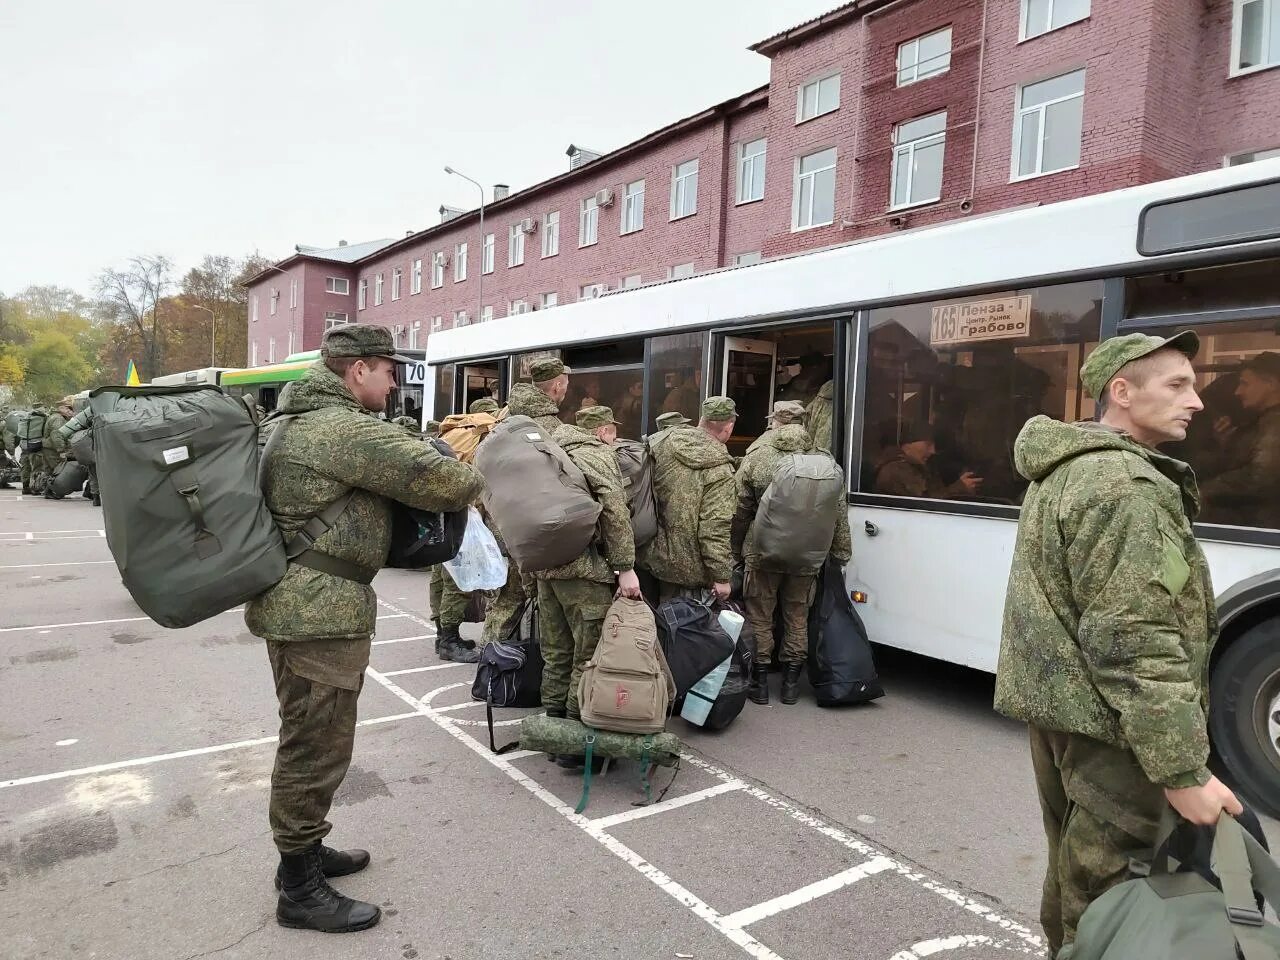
x=345 y=254
x=768 y=45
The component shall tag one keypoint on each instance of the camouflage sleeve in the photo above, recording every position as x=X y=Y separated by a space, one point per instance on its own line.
x=380 y=457
x=746 y=509
x=77 y=423
x=605 y=480
x=842 y=542
x=1251 y=480
x=53 y=432
x=719 y=500
x=1125 y=575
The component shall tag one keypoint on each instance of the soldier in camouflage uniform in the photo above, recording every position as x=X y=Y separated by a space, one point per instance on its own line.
x=818 y=416
x=573 y=599
x=318 y=621
x=905 y=470
x=54 y=449
x=765 y=588
x=82 y=421
x=27 y=465
x=540 y=400
x=431 y=430
x=784 y=412
x=665 y=423
x=8 y=443
x=484 y=405
x=1244 y=493
x=695 y=497
x=1108 y=625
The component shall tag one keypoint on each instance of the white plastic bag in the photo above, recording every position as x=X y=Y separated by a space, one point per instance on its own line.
x=479 y=564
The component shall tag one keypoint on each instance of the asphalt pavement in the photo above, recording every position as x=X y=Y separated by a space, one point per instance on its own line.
x=136 y=763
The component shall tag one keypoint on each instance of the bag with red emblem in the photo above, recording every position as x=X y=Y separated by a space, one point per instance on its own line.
x=627 y=687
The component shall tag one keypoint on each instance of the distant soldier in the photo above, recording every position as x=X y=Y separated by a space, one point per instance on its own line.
x=815 y=370
x=29 y=467
x=1108 y=625
x=83 y=421
x=318 y=621
x=431 y=430
x=694 y=491
x=54 y=448
x=8 y=443
x=905 y=471
x=1246 y=493
x=766 y=588
x=540 y=401
x=784 y=412
x=484 y=405
x=818 y=416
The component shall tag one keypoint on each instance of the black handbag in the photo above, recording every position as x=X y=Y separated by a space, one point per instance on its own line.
x=510 y=671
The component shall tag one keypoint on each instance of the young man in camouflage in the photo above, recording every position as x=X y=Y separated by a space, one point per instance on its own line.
x=540 y=400
x=765 y=587
x=318 y=621
x=573 y=599
x=1109 y=621
x=694 y=491
x=817 y=416
x=82 y=421
x=54 y=446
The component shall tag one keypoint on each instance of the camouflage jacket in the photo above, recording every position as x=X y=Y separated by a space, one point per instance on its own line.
x=1109 y=617
x=54 y=441
x=81 y=421
x=526 y=400
x=615 y=547
x=695 y=494
x=818 y=416
x=1245 y=494
x=754 y=476
x=334 y=447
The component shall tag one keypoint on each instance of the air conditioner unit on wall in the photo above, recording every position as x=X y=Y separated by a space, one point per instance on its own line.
x=528 y=225
x=604 y=198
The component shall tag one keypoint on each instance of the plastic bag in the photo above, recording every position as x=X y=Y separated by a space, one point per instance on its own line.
x=479 y=564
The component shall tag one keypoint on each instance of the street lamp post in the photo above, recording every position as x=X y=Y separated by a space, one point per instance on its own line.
x=480 y=274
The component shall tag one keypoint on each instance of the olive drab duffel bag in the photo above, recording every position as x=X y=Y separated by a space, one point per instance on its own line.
x=68 y=477
x=796 y=520
x=184 y=515
x=536 y=495
x=30 y=432
x=636 y=467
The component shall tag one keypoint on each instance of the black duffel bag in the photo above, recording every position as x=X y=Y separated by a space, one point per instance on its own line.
x=510 y=670
x=842 y=669
x=67 y=479
x=692 y=640
x=420 y=538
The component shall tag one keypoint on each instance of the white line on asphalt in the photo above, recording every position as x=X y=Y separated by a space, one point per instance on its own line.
x=393 y=616
x=459 y=706
x=927 y=948
x=67 y=563
x=93 y=623
x=521 y=754
x=434 y=666
x=180 y=754
x=638 y=813
x=812 y=891
x=39 y=533
x=421 y=636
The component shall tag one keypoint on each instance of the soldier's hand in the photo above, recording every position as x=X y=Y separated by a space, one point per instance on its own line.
x=629 y=585
x=1223 y=427
x=971 y=482
x=1203 y=805
x=722 y=590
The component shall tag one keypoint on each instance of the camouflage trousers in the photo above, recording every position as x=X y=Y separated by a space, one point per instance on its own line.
x=570 y=616
x=762 y=593
x=25 y=468
x=1099 y=810
x=317 y=683
x=448 y=603
x=504 y=604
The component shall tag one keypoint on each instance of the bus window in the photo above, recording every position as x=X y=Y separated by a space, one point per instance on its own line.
x=480 y=381
x=608 y=374
x=949 y=384
x=1234 y=287
x=676 y=363
x=442 y=403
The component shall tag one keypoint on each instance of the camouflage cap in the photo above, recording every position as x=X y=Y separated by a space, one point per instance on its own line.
x=1105 y=362
x=719 y=409
x=673 y=419
x=360 y=340
x=483 y=405
x=547 y=368
x=588 y=418
x=432 y=428
x=788 y=411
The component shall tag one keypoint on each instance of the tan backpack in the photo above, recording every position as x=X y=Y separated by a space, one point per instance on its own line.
x=627 y=686
x=464 y=431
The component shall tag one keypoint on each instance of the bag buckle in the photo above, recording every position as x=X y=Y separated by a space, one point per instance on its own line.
x=1245 y=915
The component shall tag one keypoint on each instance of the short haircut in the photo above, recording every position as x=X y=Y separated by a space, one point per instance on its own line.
x=340 y=365
x=1137 y=372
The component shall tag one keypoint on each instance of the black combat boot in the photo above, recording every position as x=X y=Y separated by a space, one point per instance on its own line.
x=307 y=902
x=791 y=681
x=26 y=489
x=334 y=863
x=758 y=692
x=449 y=646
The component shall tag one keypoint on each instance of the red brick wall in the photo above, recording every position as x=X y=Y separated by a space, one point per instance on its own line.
x=1237 y=114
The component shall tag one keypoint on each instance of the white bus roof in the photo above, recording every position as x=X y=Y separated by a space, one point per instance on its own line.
x=1076 y=237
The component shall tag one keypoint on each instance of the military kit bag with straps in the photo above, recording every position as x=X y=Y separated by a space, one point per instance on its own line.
x=30 y=432
x=81 y=447
x=422 y=538
x=636 y=467
x=626 y=686
x=796 y=520
x=464 y=431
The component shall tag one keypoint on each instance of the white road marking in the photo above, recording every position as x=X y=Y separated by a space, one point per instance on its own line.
x=638 y=813
x=421 y=636
x=178 y=755
x=812 y=891
x=40 y=533
x=66 y=743
x=67 y=563
x=393 y=616
x=434 y=666
x=95 y=623
x=927 y=948
x=459 y=706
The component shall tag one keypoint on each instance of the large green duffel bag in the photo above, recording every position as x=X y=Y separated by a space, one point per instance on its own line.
x=66 y=480
x=560 y=735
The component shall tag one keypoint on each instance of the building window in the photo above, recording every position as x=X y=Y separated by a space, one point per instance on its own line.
x=486 y=313
x=746 y=259
x=588 y=222
x=377 y=290
x=591 y=290
x=332 y=319
x=1236 y=159
x=631 y=281
x=814 y=197
x=517 y=307
x=271 y=350
x=415 y=334
x=253 y=308
x=337 y=285
x=275 y=298
x=293 y=294
x=918 y=147
x=436 y=323
x=751 y=171
x=415 y=277
x=397 y=277
x=1041 y=16
x=680 y=271
x=1255 y=35
x=486 y=254
x=437 y=270
x=684 y=190
x=633 y=207
x=819 y=97
x=459 y=318
x=551 y=234
x=515 y=246
x=397 y=335
x=253 y=354
x=924 y=57
x=550 y=300
x=363 y=294
x=1046 y=132
x=459 y=262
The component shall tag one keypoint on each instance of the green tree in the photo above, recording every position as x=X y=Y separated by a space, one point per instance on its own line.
x=55 y=367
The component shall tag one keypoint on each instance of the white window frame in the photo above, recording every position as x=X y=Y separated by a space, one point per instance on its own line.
x=796 y=226
x=415 y=331
x=632 y=219
x=459 y=262
x=275 y=298
x=415 y=277
x=486 y=253
x=460 y=318
x=1019 y=113
x=253 y=308
x=377 y=289
x=680 y=190
x=549 y=300
x=751 y=167
x=486 y=313
x=1270 y=9
x=338 y=285
x=271 y=350
x=517 y=307
x=1024 y=9
x=681 y=271
x=909 y=150
x=515 y=246
x=336 y=318
x=437 y=323
x=437 y=270
x=253 y=353
x=631 y=281
x=914 y=44
x=590 y=291
x=817 y=84
x=397 y=282
x=588 y=214
x=747 y=259
x=293 y=295
x=362 y=296
x=1262 y=153
x=551 y=234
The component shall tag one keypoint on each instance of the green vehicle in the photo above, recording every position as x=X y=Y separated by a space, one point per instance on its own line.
x=265 y=383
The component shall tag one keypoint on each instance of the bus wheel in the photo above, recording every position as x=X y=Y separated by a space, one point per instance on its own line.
x=1244 y=697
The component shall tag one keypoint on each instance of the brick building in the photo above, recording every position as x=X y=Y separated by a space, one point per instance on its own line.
x=878 y=116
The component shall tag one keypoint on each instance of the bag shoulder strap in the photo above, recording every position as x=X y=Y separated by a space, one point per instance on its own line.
x=1232 y=865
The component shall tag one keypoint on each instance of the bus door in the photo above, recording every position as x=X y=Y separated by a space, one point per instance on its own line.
x=478 y=380
x=749 y=370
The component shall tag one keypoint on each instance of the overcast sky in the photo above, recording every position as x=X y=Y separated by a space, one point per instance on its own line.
x=183 y=128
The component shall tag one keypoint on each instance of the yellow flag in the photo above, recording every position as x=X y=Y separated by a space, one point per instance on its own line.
x=131 y=380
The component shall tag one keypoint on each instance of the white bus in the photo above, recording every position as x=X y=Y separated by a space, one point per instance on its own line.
x=961 y=333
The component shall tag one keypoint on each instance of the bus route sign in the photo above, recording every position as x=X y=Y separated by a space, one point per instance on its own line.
x=1001 y=319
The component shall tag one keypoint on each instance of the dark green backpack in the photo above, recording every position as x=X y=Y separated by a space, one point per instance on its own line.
x=30 y=431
